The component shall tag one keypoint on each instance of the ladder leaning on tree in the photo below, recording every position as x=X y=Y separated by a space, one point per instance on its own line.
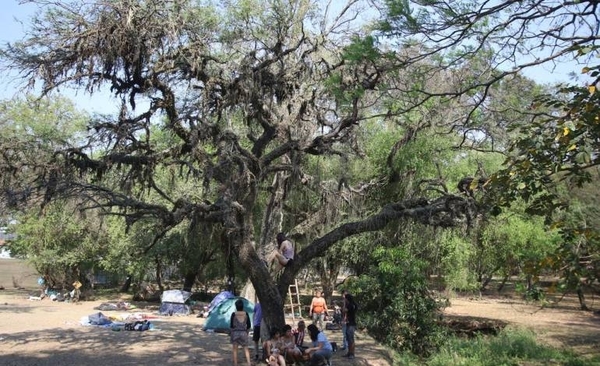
x=294 y=300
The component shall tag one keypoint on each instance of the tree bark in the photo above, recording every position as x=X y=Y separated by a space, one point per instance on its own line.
x=159 y=279
x=581 y=297
x=188 y=281
x=126 y=285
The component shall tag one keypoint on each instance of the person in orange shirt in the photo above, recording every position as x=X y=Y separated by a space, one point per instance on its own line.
x=318 y=309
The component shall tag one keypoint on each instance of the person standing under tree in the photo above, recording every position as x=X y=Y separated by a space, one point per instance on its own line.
x=351 y=309
x=284 y=255
x=318 y=309
x=256 y=320
x=344 y=320
x=240 y=327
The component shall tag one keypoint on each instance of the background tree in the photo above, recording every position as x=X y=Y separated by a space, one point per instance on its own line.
x=64 y=245
x=395 y=302
x=554 y=138
x=33 y=130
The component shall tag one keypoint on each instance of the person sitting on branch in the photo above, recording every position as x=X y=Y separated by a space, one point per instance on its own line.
x=284 y=255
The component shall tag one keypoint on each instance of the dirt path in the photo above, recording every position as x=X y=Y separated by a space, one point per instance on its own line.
x=45 y=333
x=560 y=324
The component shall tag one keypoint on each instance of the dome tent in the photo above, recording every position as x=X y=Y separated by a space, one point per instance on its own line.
x=174 y=302
x=219 y=317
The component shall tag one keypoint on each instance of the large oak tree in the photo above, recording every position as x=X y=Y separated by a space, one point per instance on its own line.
x=248 y=90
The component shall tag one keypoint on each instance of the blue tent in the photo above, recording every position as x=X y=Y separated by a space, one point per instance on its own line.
x=219 y=318
x=219 y=299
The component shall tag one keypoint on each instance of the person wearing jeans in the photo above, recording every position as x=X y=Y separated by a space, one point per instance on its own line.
x=256 y=321
x=351 y=309
x=321 y=350
x=344 y=321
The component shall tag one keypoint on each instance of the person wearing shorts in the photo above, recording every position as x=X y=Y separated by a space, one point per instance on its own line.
x=239 y=325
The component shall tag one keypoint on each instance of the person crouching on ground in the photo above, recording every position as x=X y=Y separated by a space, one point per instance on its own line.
x=321 y=349
x=299 y=333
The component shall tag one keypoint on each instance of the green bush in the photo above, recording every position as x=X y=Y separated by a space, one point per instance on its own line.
x=510 y=347
x=395 y=304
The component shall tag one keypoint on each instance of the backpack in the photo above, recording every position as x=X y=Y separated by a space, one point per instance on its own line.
x=138 y=325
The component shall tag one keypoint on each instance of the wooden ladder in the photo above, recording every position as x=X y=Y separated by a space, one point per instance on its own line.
x=294 y=298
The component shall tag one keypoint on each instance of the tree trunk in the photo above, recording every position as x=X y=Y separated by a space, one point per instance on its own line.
x=581 y=297
x=267 y=289
x=126 y=284
x=273 y=216
x=328 y=270
x=188 y=281
x=485 y=282
x=503 y=283
x=159 y=280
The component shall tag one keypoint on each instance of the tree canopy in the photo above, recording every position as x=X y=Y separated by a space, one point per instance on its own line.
x=246 y=91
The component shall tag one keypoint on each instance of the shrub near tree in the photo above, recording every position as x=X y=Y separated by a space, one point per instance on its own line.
x=395 y=303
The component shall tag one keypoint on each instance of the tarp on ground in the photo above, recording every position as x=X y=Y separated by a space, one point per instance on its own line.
x=219 y=318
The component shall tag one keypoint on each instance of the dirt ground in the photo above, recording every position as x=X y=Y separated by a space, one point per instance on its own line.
x=49 y=333
x=44 y=333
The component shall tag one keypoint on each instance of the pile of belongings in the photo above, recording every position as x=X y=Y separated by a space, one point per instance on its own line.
x=129 y=322
x=112 y=306
x=138 y=325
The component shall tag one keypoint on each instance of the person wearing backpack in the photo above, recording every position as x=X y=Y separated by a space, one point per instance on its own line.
x=351 y=308
x=240 y=326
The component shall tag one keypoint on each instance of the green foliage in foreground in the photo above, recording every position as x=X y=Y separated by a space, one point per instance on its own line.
x=395 y=304
x=510 y=347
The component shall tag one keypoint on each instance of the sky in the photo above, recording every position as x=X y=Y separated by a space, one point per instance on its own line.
x=14 y=18
x=11 y=29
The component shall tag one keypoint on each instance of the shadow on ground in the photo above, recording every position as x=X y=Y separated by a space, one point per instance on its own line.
x=174 y=342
